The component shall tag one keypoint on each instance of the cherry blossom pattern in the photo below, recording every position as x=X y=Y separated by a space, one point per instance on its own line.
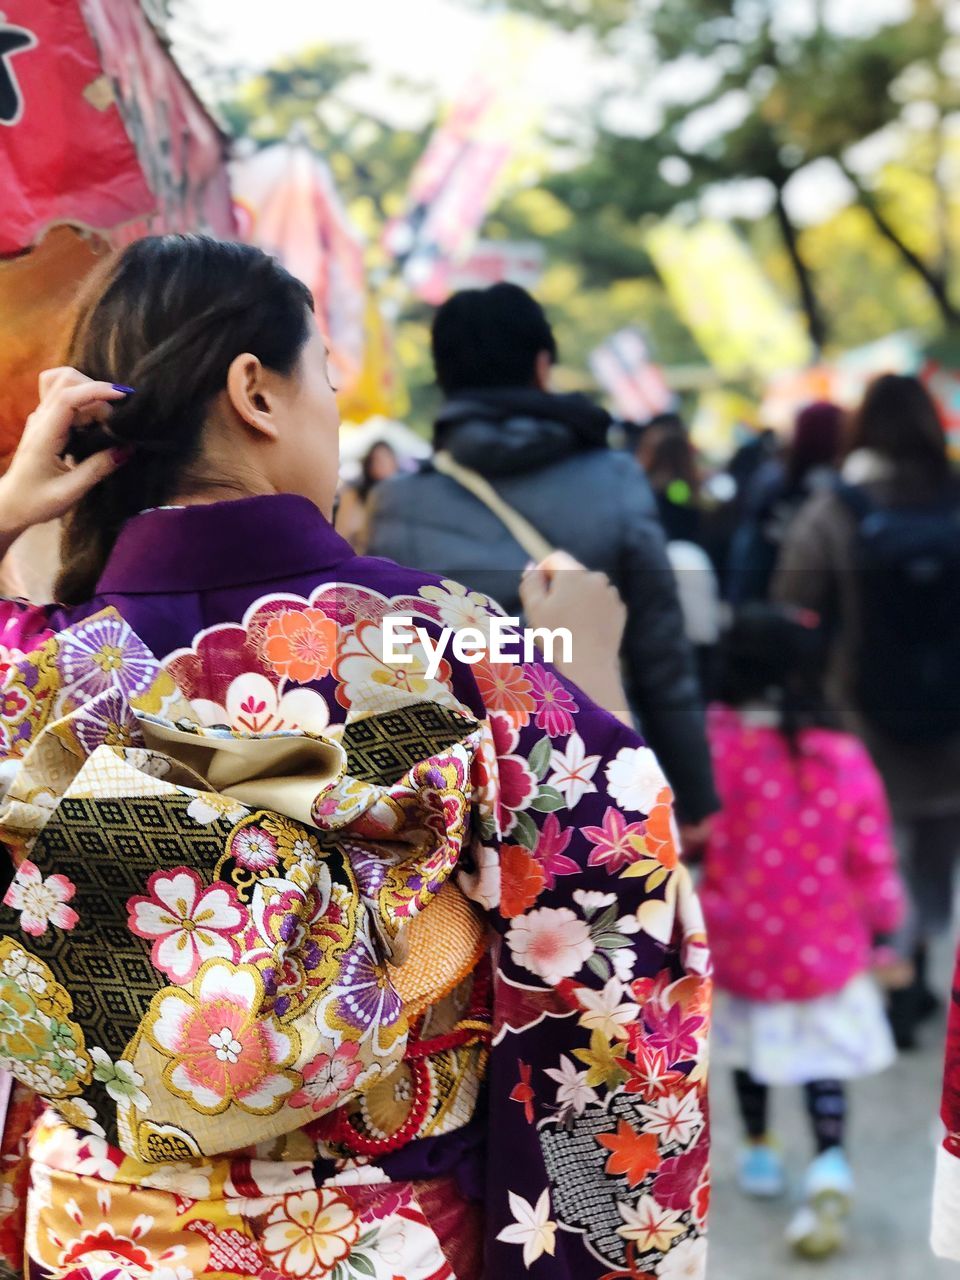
x=328 y=1079
x=254 y=704
x=531 y=1227
x=635 y=779
x=223 y=1048
x=41 y=902
x=301 y=644
x=188 y=923
x=551 y=942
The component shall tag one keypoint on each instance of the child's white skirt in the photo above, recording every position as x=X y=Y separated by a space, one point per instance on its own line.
x=837 y=1037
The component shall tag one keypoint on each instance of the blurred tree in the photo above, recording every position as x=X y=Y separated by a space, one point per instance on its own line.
x=784 y=89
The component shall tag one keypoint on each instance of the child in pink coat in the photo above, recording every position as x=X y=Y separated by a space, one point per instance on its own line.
x=800 y=886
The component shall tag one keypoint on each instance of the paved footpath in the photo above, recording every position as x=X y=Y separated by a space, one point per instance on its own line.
x=892 y=1145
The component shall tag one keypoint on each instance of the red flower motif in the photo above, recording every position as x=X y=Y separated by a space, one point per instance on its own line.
x=523 y=1092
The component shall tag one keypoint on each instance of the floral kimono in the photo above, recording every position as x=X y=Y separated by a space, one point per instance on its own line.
x=314 y=965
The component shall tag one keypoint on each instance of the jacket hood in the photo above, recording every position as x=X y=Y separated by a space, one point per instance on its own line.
x=517 y=429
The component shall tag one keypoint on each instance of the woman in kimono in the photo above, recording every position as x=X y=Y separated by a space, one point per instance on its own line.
x=545 y=1109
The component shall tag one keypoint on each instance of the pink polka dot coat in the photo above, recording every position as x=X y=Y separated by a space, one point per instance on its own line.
x=800 y=869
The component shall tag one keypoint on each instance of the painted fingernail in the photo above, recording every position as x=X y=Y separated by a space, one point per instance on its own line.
x=129 y=391
x=122 y=454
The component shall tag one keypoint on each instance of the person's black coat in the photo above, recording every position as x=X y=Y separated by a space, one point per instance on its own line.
x=546 y=456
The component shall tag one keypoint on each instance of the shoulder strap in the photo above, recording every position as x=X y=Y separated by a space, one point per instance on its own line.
x=520 y=528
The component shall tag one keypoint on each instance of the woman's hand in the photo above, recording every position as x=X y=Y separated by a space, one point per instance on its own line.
x=560 y=592
x=40 y=485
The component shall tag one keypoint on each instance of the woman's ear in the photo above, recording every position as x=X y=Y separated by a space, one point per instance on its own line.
x=249 y=393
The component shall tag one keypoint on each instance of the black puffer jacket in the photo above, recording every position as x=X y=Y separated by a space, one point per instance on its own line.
x=546 y=456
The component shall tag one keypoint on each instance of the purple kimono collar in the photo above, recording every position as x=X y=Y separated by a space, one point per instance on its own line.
x=220 y=544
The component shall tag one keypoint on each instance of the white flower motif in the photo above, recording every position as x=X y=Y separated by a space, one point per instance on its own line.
x=688 y=1261
x=647 y=1222
x=573 y=770
x=189 y=1180
x=206 y=808
x=635 y=779
x=253 y=705
x=226 y=1047
x=604 y=1012
x=461 y=608
x=532 y=1228
x=26 y=971
x=551 y=942
x=592 y=901
x=573 y=1091
x=624 y=961
x=41 y=902
x=674 y=1118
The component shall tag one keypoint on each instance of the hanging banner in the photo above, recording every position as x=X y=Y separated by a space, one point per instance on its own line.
x=380 y=390
x=741 y=323
x=463 y=171
x=102 y=140
x=289 y=206
x=636 y=386
x=99 y=129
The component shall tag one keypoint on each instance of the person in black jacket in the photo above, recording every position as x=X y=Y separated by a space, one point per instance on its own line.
x=546 y=455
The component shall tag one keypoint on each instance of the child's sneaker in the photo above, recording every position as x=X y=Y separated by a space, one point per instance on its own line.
x=817 y=1228
x=760 y=1170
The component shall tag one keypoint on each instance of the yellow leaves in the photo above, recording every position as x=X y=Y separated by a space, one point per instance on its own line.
x=542 y=210
x=602 y=1065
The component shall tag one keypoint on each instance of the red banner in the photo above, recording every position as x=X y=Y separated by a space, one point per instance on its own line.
x=98 y=127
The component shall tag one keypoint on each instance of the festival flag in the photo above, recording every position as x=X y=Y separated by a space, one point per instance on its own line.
x=742 y=324
x=288 y=205
x=102 y=140
x=636 y=386
x=467 y=162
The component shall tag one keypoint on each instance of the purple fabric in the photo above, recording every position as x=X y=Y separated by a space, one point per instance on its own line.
x=185 y=581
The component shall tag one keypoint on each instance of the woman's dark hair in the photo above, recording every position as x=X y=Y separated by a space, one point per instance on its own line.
x=775 y=655
x=367 y=477
x=167 y=316
x=669 y=455
x=898 y=418
x=816 y=441
x=484 y=338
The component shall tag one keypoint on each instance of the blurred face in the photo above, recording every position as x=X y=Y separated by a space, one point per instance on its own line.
x=383 y=463
x=288 y=441
x=307 y=447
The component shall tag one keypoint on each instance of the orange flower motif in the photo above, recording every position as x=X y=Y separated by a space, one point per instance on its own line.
x=505 y=688
x=521 y=880
x=659 y=834
x=634 y=1154
x=301 y=644
x=523 y=1092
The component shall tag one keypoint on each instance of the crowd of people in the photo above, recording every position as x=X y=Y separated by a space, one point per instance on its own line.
x=813 y=611
x=318 y=963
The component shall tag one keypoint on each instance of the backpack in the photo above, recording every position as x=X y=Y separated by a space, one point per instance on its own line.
x=907 y=676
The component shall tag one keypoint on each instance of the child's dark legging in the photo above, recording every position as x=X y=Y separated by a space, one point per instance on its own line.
x=826 y=1107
